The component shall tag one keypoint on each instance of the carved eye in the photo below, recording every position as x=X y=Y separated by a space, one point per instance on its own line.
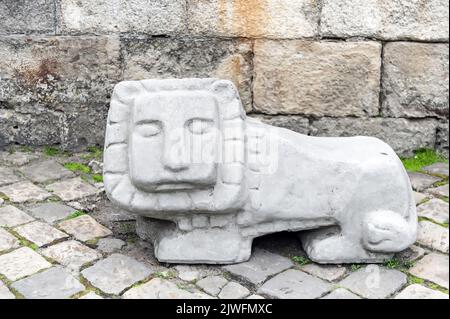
x=200 y=126
x=149 y=129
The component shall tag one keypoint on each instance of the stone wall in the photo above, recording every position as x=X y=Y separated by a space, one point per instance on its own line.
x=320 y=67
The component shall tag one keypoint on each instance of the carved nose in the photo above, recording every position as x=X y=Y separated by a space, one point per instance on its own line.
x=174 y=155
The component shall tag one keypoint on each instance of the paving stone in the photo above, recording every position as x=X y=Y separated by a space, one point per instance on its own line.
x=420 y=181
x=420 y=292
x=294 y=284
x=439 y=191
x=433 y=236
x=110 y=245
x=162 y=289
x=11 y=216
x=45 y=171
x=71 y=254
x=437 y=168
x=255 y=297
x=91 y=295
x=327 y=272
x=187 y=273
x=24 y=191
x=7 y=241
x=5 y=293
x=40 y=233
x=412 y=253
x=84 y=228
x=51 y=212
x=7 y=176
x=433 y=267
x=212 y=284
x=233 y=290
x=261 y=265
x=341 y=293
x=115 y=273
x=54 y=283
x=17 y=158
x=21 y=262
x=374 y=282
x=419 y=197
x=434 y=209
x=71 y=189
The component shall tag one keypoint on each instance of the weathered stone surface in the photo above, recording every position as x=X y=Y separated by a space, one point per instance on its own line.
x=415 y=80
x=212 y=284
x=420 y=181
x=161 y=289
x=110 y=245
x=51 y=212
x=254 y=18
x=116 y=273
x=317 y=78
x=84 y=228
x=433 y=236
x=72 y=189
x=374 y=282
x=7 y=176
x=326 y=272
x=434 y=209
x=7 y=241
x=40 y=233
x=24 y=191
x=54 y=283
x=411 y=254
x=420 y=292
x=255 y=297
x=71 y=254
x=294 y=123
x=437 y=168
x=156 y=17
x=16 y=158
x=294 y=284
x=21 y=262
x=433 y=267
x=385 y=19
x=404 y=136
x=56 y=88
x=187 y=273
x=341 y=293
x=439 y=191
x=419 y=197
x=90 y=295
x=182 y=58
x=442 y=138
x=27 y=16
x=261 y=265
x=45 y=171
x=11 y=216
x=233 y=290
x=5 y=293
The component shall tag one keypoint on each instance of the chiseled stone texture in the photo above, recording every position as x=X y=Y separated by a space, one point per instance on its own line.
x=45 y=171
x=7 y=176
x=116 y=273
x=261 y=265
x=110 y=245
x=21 y=262
x=24 y=191
x=7 y=241
x=403 y=135
x=5 y=293
x=341 y=293
x=84 y=228
x=254 y=18
x=294 y=284
x=233 y=290
x=51 y=212
x=317 y=78
x=71 y=254
x=11 y=216
x=433 y=236
x=147 y=58
x=291 y=122
x=27 y=16
x=434 y=209
x=326 y=272
x=374 y=282
x=415 y=80
x=386 y=19
x=433 y=267
x=54 y=283
x=71 y=189
x=156 y=17
x=56 y=88
x=212 y=284
x=40 y=233
x=420 y=292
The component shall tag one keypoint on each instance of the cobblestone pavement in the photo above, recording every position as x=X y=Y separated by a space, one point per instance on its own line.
x=61 y=238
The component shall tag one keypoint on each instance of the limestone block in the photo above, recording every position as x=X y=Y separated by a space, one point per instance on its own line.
x=317 y=78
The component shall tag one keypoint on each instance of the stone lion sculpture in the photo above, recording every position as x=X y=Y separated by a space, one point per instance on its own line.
x=205 y=180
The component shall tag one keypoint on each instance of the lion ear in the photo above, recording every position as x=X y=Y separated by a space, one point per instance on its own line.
x=126 y=91
x=226 y=90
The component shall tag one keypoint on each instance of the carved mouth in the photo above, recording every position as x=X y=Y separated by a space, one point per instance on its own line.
x=174 y=187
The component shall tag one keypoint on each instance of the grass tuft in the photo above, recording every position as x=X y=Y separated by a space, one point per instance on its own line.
x=421 y=158
x=78 y=167
x=301 y=260
x=98 y=178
